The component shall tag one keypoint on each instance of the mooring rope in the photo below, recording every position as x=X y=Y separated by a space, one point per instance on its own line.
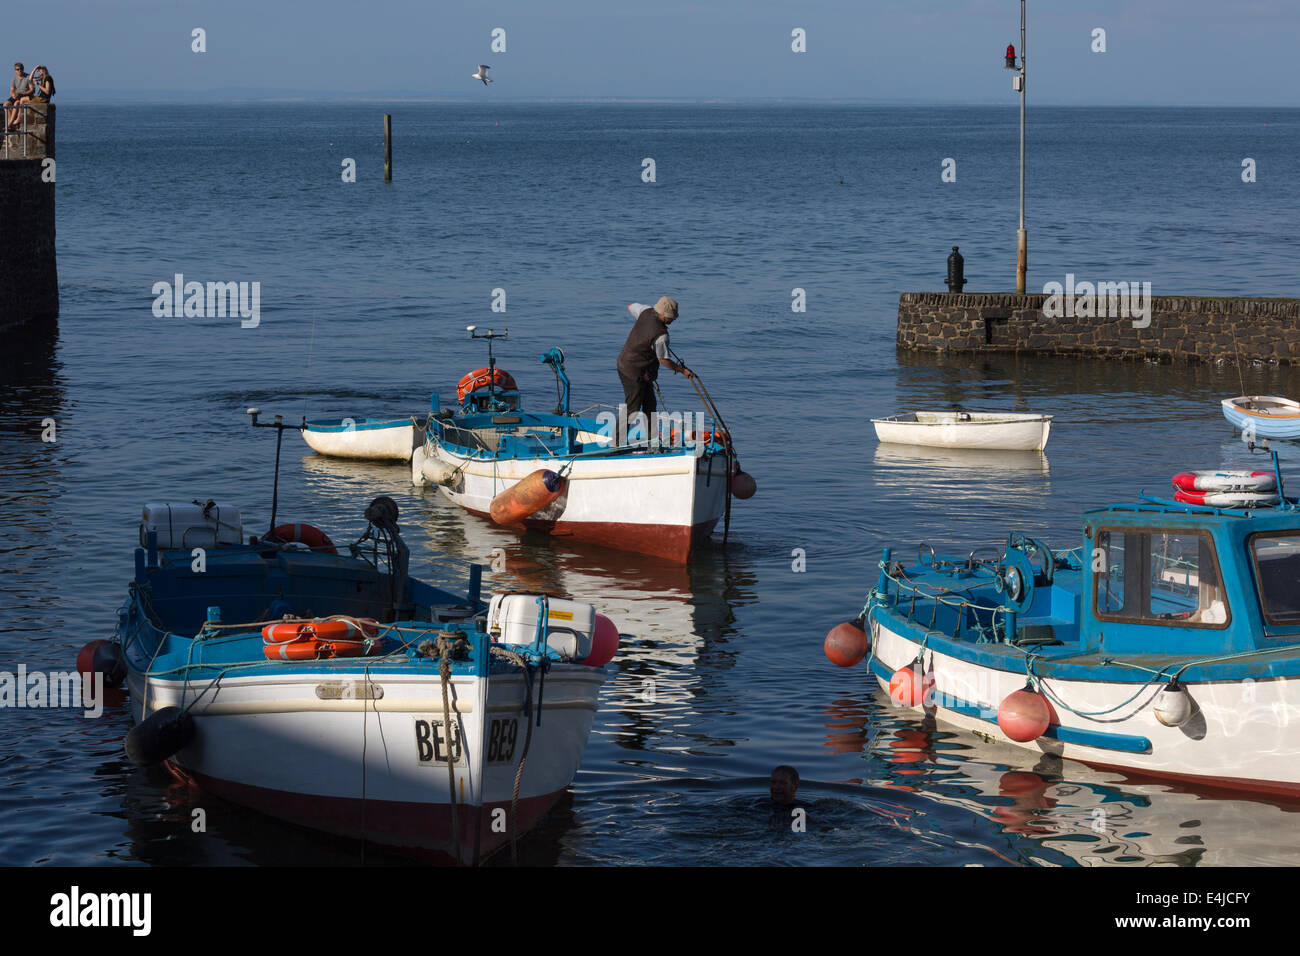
x=521 y=662
x=449 y=644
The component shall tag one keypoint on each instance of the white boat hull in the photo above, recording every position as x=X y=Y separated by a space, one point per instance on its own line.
x=366 y=768
x=658 y=505
x=1245 y=736
x=976 y=430
x=388 y=441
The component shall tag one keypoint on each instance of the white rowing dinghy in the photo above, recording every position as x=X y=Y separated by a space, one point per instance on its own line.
x=1263 y=416
x=1010 y=431
x=388 y=439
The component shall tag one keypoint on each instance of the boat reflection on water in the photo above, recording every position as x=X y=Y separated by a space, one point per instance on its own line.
x=933 y=491
x=668 y=615
x=958 y=464
x=1094 y=817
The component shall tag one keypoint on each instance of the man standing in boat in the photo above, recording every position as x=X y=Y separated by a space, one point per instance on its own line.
x=645 y=350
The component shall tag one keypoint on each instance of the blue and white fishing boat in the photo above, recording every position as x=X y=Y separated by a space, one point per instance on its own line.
x=656 y=488
x=1167 y=645
x=376 y=439
x=1263 y=416
x=327 y=687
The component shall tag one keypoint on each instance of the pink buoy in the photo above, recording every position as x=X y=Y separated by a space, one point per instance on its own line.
x=907 y=686
x=604 y=643
x=846 y=644
x=1024 y=715
x=743 y=485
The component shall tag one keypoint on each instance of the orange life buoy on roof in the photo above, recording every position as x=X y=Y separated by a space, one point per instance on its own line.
x=676 y=437
x=314 y=640
x=481 y=378
x=313 y=537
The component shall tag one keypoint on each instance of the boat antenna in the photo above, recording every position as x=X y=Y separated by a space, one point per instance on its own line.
x=1241 y=378
x=490 y=334
x=279 y=426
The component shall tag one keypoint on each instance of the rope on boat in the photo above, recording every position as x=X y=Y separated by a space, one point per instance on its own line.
x=1094 y=715
x=449 y=645
x=521 y=662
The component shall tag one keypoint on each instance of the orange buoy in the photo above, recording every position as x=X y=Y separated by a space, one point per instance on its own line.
x=604 y=643
x=908 y=686
x=1024 y=715
x=314 y=538
x=527 y=497
x=481 y=378
x=846 y=644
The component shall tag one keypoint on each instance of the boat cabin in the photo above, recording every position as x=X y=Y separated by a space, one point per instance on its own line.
x=1153 y=579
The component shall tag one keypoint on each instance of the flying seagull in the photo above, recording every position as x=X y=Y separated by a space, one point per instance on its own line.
x=482 y=75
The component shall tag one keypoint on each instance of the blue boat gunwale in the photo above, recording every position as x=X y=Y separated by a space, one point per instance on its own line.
x=357 y=424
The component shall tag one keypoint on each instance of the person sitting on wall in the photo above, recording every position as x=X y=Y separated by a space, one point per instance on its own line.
x=42 y=85
x=20 y=90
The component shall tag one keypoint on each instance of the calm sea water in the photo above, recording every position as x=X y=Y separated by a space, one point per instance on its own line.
x=365 y=292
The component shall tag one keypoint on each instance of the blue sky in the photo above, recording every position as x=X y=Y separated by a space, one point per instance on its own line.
x=1167 y=52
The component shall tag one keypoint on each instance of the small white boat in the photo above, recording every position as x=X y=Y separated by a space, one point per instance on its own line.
x=1263 y=416
x=387 y=439
x=1010 y=431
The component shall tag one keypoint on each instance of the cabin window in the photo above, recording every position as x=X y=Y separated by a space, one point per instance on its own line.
x=1277 y=569
x=1155 y=576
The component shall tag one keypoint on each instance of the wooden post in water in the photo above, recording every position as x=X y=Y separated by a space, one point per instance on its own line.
x=388 y=147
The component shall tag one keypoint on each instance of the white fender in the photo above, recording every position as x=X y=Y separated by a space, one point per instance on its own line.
x=436 y=470
x=418 y=456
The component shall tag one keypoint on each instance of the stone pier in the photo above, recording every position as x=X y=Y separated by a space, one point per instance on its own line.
x=1181 y=329
x=29 y=275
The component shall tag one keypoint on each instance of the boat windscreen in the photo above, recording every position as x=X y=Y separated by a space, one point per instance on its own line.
x=1277 y=569
x=1154 y=576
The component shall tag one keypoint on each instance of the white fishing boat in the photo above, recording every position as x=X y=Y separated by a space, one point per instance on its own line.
x=335 y=691
x=1010 y=431
x=1165 y=645
x=1263 y=416
x=385 y=439
x=657 y=491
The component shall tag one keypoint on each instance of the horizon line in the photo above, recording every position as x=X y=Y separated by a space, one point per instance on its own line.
x=242 y=98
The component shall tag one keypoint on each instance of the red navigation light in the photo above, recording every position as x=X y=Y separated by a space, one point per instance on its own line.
x=1011 y=57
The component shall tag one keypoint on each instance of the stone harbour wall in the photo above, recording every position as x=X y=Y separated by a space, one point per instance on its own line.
x=1182 y=328
x=29 y=275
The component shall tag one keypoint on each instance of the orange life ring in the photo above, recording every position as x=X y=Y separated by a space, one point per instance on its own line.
x=313 y=537
x=481 y=378
x=313 y=640
x=706 y=436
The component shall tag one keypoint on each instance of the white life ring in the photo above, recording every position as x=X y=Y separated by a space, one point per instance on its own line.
x=1227 y=499
x=1225 y=481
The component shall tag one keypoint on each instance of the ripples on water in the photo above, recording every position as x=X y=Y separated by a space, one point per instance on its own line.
x=366 y=290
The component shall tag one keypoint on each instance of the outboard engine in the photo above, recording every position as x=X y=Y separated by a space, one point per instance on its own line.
x=384 y=535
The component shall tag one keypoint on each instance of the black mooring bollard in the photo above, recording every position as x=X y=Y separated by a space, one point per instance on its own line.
x=956 y=271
